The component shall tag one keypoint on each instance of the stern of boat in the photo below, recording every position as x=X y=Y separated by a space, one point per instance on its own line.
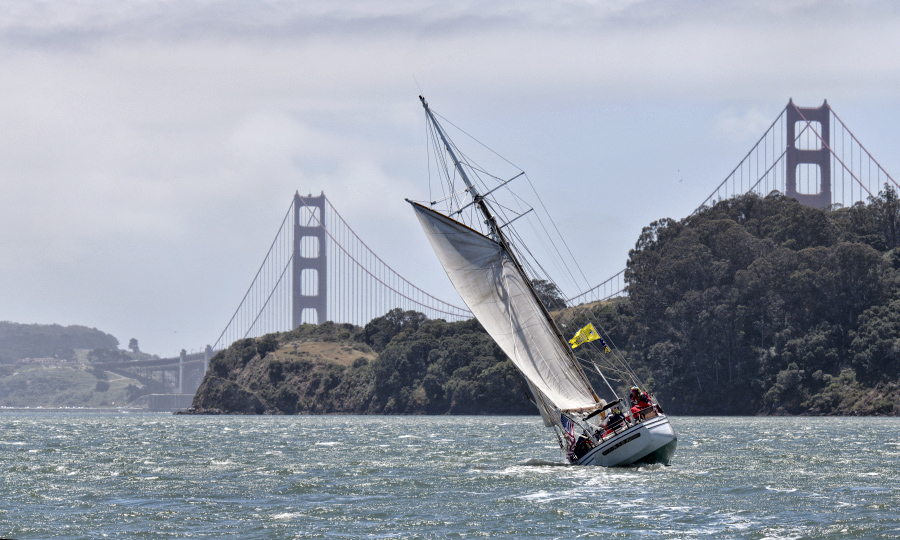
x=647 y=442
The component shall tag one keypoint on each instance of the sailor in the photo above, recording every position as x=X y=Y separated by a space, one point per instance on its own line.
x=614 y=420
x=639 y=400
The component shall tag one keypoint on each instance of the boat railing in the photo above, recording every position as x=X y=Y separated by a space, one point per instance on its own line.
x=608 y=432
x=611 y=431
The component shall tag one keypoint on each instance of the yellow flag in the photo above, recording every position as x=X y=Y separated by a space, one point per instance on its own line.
x=584 y=335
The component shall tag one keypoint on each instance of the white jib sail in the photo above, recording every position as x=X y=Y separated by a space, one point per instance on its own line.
x=498 y=296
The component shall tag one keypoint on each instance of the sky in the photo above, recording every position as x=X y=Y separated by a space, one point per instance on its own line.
x=149 y=149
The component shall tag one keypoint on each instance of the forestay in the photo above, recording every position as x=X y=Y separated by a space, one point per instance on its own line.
x=501 y=300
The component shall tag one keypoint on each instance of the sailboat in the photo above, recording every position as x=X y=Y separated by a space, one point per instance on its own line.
x=487 y=272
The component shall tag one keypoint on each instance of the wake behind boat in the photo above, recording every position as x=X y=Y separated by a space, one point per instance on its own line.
x=486 y=268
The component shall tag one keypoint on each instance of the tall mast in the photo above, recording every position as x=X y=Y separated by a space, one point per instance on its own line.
x=470 y=187
x=497 y=233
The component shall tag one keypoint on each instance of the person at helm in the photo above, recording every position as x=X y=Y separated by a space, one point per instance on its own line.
x=614 y=421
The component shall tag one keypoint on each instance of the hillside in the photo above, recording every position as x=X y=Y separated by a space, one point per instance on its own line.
x=48 y=365
x=401 y=364
x=66 y=385
x=19 y=341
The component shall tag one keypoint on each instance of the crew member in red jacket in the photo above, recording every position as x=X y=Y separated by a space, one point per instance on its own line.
x=639 y=400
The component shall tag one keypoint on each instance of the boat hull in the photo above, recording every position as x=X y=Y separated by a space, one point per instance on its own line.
x=652 y=441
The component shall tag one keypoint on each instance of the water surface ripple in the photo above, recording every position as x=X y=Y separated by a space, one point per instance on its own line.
x=163 y=476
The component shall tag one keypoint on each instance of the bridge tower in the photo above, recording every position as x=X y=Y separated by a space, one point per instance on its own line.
x=820 y=156
x=309 y=262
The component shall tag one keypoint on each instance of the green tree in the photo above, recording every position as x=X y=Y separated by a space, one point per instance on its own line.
x=549 y=293
x=381 y=330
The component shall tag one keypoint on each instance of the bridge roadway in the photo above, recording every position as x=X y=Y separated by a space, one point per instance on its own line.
x=183 y=374
x=157 y=364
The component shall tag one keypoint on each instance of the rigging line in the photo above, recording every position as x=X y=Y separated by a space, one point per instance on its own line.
x=451 y=173
x=617 y=353
x=591 y=363
x=560 y=264
x=515 y=218
x=460 y=192
x=742 y=161
x=441 y=162
x=517 y=211
x=620 y=356
x=280 y=229
x=459 y=203
x=494 y=200
x=464 y=159
x=861 y=146
x=617 y=374
x=597 y=368
x=428 y=157
x=479 y=170
x=473 y=166
x=479 y=142
x=275 y=288
x=531 y=259
x=825 y=144
x=476 y=168
x=367 y=271
x=556 y=228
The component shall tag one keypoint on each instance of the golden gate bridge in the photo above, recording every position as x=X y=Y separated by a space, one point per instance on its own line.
x=807 y=153
x=318 y=269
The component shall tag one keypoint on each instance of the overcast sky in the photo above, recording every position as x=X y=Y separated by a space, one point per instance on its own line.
x=148 y=150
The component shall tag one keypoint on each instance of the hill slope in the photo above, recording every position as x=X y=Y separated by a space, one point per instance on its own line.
x=18 y=341
x=401 y=364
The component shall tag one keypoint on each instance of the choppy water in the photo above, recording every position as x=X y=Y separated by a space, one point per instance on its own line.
x=164 y=476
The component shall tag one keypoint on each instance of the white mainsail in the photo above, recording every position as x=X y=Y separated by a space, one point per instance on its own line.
x=500 y=298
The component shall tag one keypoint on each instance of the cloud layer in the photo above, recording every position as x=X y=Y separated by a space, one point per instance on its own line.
x=150 y=149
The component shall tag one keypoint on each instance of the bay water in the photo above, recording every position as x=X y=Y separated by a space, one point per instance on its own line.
x=100 y=475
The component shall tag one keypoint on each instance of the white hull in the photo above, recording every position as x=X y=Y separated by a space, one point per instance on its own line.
x=651 y=441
